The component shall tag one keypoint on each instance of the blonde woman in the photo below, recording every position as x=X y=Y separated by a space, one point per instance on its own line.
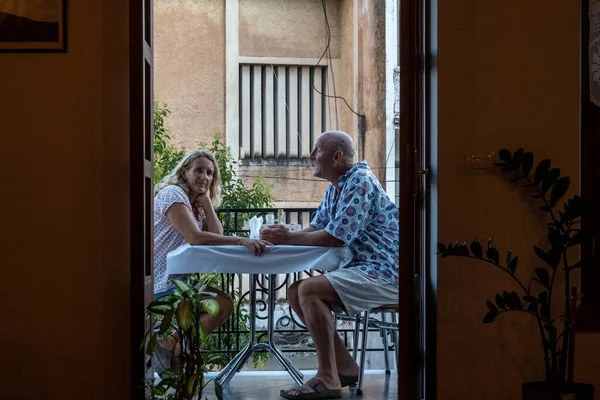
x=184 y=212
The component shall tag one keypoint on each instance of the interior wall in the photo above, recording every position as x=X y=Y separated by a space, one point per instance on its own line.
x=508 y=77
x=64 y=291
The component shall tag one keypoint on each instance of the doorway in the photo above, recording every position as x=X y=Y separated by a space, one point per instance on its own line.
x=412 y=194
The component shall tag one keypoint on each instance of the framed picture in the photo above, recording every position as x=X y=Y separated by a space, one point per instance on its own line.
x=33 y=26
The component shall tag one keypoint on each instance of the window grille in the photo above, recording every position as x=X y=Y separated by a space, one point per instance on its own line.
x=281 y=113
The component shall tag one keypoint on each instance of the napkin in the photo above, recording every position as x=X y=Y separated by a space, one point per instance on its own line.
x=255 y=224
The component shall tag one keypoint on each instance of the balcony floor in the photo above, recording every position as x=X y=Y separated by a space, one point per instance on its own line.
x=265 y=385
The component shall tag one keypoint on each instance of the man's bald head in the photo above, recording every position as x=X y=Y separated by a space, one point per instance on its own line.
x=339 y=141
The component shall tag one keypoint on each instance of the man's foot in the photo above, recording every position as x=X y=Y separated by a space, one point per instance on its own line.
x=348 y=374
x=314 y=389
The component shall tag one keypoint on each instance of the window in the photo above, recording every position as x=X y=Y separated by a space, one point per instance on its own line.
x=282 y=109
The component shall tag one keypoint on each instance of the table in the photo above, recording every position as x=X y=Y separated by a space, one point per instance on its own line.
x=281 y=259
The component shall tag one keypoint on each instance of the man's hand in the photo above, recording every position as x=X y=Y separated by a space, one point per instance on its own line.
x=276 y=234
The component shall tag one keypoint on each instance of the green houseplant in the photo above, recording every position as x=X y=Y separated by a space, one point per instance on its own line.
x=534 y=296
x=181 y=312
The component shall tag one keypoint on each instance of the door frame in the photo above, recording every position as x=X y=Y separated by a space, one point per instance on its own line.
x=141 y=105
x=416 y=369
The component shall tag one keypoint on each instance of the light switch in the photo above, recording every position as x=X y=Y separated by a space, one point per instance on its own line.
x=479 y=165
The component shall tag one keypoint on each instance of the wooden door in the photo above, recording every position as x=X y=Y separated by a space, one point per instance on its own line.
x=416 y=367
x=142 y=185
x=408 y=314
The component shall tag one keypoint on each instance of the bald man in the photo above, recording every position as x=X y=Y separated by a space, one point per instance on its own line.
x=356 y=212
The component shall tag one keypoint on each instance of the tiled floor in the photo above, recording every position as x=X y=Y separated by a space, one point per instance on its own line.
x=265 y=385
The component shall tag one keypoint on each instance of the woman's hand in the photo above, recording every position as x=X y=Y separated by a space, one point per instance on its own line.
x=203 y=199
x=259 y=246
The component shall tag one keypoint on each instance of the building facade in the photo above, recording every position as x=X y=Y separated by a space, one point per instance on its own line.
x=271 y=75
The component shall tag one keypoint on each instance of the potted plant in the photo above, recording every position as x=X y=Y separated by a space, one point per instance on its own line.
x=180 y=312
x=534 y=296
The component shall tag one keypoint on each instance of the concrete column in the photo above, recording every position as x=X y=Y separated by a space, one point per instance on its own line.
x=232 y=77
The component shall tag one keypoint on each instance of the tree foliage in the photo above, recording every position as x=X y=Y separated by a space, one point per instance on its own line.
x=166 y=155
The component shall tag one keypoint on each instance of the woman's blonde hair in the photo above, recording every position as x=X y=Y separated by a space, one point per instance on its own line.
x=177 y=175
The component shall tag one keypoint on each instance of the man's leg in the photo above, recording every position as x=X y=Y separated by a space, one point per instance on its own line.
x=314 y=297
x=346 y=366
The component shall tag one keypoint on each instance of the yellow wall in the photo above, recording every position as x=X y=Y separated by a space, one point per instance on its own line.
x=189 y=66
x=508 y=77
x=64 y=290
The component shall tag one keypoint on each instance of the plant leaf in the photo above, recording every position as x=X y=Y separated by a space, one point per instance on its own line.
x=508 y=255
x=543 y=276
x=493 y=255
x=491 y=306
x=578 y=238
x=540 y=253
x=191 y=385
x=151 y=344
x=211 y=306
x=516 y=159
x=543 y=297
x=462 y=250
x=578 y=264
x=500 y=302
x=184 y=287
x=541 y=171
x=476 y=248
x=559 y=190
x=526 y=163
x=489 y=317
x=507 y=299
x=515 y=300
x=555 y=239
x=512 y=265
x=530 y=299
x=442 y=249
x=160 y=309
x=532 y=308
x=166 y=322
x=550 y=179
x=184 y=314
x=505 y=155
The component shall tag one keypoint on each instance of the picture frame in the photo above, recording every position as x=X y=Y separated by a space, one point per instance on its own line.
x=33 y=26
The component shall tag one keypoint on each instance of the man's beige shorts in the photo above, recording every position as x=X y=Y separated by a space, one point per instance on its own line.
x=360 y=292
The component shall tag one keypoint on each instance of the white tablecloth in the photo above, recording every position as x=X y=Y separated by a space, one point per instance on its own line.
x=279 y=259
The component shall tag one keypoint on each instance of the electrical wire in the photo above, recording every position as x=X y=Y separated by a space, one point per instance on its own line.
x=327 y=48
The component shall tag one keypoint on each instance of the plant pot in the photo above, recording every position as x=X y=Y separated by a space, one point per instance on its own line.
x=543 y=390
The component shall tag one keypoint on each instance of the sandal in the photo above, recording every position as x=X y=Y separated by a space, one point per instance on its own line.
x=320 y=391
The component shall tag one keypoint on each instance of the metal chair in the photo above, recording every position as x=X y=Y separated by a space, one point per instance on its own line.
x=384 y=327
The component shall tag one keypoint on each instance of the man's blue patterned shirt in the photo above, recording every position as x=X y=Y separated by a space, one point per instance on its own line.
x=362 y=215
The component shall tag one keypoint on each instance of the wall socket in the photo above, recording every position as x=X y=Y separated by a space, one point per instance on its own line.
x=479 y=165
